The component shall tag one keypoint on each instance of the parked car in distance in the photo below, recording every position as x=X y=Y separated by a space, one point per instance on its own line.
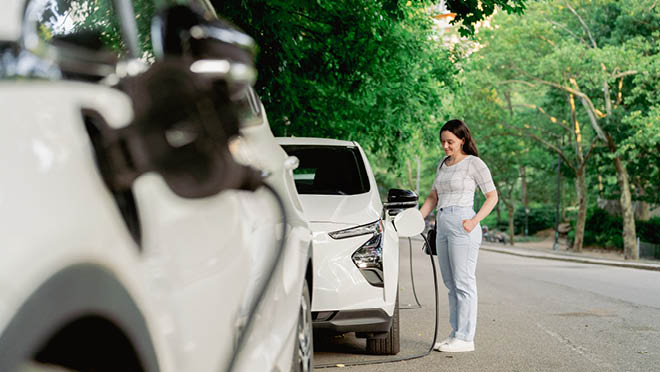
x=139 y=236
x=356 y=240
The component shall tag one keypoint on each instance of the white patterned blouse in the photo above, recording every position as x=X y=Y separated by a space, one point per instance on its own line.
x=455 y=184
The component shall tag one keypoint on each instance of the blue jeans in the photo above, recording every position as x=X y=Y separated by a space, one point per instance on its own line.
x=457 y=255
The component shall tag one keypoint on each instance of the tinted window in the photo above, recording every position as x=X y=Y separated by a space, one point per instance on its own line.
x=90 y=24
x=329 y=170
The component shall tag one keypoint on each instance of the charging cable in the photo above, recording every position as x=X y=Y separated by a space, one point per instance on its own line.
x=412 y=281
x=401 y=359
x=264 y=287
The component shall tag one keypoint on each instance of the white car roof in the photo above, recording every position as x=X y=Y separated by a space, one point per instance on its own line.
x=313 y=141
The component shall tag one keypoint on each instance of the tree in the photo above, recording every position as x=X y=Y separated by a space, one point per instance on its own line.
x=565 y=50
x=354 y=70
x=477 y=104
x=468 y=13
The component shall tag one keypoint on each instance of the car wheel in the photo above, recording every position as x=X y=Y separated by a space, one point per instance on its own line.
x=388 y=345
x=303 y=352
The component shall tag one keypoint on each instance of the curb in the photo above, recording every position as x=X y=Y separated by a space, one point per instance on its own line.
x=593 y=261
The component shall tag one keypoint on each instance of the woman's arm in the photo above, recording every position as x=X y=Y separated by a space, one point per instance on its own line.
x=430 y=203
x=486 y=208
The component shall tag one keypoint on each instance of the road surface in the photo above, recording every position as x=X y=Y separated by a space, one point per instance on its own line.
x=534 y=315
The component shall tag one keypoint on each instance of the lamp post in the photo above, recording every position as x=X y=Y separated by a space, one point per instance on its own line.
x=555 y=246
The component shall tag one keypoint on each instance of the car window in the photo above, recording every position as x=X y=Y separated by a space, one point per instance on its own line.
x=88 y=24
x=329 y=170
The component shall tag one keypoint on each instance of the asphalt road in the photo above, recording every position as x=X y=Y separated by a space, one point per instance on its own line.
x=534 y=315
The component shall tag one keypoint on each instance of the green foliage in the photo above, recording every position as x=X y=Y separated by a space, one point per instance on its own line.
x=97 y=19
x=539 y=218
x=604 y=230
x=518 y=84
x=649 y=231
x=353 y=70
x=468 y=13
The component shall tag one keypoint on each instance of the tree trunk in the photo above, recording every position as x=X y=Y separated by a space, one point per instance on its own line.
x=630 y=251
x=644 y=211
x=581 y=188
x=580 y=184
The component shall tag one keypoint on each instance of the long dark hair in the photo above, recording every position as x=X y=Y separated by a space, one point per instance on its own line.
x=461 y=131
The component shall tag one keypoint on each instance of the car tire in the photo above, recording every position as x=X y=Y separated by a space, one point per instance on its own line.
x=303 y=351
x=388 y=345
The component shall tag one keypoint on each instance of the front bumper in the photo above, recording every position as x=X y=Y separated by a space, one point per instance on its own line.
x=362 y=321
x=339 y=285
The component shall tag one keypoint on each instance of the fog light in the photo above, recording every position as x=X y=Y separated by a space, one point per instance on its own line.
x=369 y=259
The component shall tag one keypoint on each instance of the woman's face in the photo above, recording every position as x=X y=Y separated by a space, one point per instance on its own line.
x=451 y=144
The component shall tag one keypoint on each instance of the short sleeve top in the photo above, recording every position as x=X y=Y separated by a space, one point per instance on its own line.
x=455 y=184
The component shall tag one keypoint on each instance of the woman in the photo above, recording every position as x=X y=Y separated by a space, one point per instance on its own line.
x=458 y=232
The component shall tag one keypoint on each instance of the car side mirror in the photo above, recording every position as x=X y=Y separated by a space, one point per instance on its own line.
x=83 y=51
x=409 y=223
x=398 y=200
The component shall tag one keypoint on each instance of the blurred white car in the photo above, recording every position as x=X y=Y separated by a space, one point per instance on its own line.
x=356 y=243
x=132 y=237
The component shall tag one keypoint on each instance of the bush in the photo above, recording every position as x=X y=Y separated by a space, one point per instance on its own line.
x=605 y=230
x=649 y=231
x=602 y=229
x=540 y=218
x=502 y=225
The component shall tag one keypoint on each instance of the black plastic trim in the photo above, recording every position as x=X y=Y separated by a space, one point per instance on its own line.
x=366 y=320
x=75 y=292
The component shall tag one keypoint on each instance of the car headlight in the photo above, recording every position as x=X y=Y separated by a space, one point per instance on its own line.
x=369 y=256
x=369 y=260
x=370 y=228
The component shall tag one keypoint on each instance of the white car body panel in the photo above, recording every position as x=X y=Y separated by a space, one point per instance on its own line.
x=11 y=19
x=53 y=215
x=192 y=279
x=338 y=284
x=274 y=332
x=343 y=209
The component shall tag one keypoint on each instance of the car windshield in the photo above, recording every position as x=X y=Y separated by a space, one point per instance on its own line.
x=329 y=170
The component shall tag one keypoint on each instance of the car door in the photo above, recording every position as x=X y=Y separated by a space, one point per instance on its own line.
x=194 y=252
x=200 y=247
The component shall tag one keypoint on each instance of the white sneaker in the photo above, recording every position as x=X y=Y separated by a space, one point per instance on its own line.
x=457 y=346
x=444 y=342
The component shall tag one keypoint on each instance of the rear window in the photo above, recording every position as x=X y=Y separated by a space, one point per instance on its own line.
x=329 y=170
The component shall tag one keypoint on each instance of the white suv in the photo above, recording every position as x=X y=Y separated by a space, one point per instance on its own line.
x=356 y=243
x=132 y=237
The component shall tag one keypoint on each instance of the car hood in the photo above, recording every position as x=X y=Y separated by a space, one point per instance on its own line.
x=341 y=209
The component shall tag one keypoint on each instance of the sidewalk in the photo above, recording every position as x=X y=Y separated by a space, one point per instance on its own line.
x=543 y=249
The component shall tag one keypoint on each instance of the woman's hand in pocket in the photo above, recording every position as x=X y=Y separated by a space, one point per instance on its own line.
x=469 y=225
